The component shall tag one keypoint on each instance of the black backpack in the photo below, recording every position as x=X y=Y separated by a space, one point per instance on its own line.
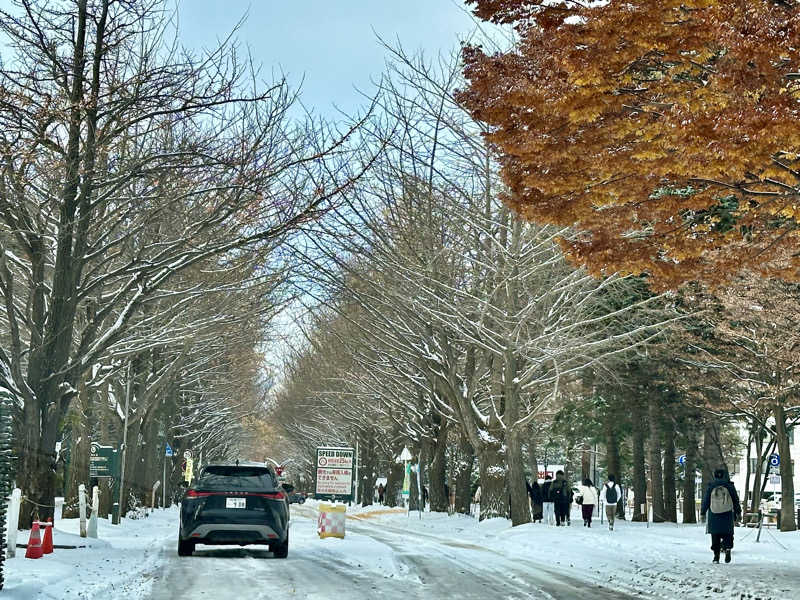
x=558 y=491
x=611 y=494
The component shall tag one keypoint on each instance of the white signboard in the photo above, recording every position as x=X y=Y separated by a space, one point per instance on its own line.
x=335 y=472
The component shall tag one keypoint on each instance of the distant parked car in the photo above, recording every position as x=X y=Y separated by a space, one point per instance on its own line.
x=235 y=504
x=297 y=498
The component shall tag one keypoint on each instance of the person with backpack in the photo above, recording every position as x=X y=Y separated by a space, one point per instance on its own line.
x=561 y=496
x=721 y=502
x=611 y=496
x=548 y=508
x=587 y=497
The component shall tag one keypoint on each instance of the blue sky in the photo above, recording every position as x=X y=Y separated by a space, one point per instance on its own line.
x=328 y=45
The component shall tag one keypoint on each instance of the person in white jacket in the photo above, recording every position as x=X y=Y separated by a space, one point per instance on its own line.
x=610 y=495
x=588 y=496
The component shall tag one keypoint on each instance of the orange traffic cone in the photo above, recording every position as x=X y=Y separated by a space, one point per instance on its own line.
x=34 y=543
x=47 y=542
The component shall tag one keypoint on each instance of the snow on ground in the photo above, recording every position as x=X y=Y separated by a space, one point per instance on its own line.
x=660 y=560
x=116 y=565
x=403 y=556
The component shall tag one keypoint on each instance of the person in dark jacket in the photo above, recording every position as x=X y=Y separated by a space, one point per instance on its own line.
x=561 y=495
x=548 y=508
x=721 y=503
x=535 y=493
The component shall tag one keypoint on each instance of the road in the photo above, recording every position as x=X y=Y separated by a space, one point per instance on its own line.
x=373 y=561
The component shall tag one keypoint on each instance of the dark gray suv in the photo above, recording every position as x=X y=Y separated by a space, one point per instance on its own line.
x=235 y=504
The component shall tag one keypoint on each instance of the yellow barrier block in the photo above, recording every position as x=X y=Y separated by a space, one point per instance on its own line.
x=331 y=520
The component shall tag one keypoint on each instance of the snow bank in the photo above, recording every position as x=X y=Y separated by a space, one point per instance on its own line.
x=117 y=565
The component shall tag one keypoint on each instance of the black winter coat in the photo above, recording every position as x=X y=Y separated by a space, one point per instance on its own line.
x=560 y=492
x=546 y=490
x=720 y=523
x=535 y=492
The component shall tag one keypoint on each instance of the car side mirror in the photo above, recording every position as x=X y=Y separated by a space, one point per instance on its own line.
x=287 y=487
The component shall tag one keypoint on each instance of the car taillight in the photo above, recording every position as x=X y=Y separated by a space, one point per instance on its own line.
x=270 y=495
x=275 y=496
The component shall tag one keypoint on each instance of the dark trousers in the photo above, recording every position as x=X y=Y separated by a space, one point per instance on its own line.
x=586 y=511
x=562 y=513
x=721 y=541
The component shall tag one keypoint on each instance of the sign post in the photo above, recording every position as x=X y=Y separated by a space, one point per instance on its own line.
x=405 y=457
x=168 y=453
x=335 y=473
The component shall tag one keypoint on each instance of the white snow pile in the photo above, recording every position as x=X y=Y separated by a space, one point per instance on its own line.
x=119 y=564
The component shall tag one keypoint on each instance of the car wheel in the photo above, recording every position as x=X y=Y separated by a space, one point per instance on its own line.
x=185 y=548
x=281 y=550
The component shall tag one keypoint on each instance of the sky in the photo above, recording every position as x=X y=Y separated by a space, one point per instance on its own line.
x=328 y=46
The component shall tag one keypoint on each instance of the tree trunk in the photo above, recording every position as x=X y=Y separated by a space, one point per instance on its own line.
x=656 y=474
x=438 y=472
x=533 y=463
x=690 y=467
x=494 y=497
x=414 y=491
x=518 y=492
x=670 y=500
x=748 y=470
x=788 y=522
x=613 y=466
x=394 y=483
x=639 y=478
x=463 y=475
x=586 y=462
x=760 y=479
x=712 y=452
x=368 y=472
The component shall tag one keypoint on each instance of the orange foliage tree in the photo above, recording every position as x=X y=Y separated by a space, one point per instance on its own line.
x=667 y=133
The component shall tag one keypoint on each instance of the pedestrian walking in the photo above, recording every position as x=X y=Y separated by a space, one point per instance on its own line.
x=381 y=493
x=561 y=495
x=587 y=497
x=721 y=502
x=476 y=502
x=548 y=506
x=611 y=495
x=535 y=493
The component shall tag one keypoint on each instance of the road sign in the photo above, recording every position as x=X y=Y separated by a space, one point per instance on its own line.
x=774 y=460
x=189 y=472
x=102 y=461
x=335 y=473
x=682 y=459
x=187 y=454
x=169 y=451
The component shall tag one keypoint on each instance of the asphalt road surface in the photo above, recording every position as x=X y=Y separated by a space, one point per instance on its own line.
x=424 y=566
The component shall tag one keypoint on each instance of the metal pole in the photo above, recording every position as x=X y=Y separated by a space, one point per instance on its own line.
x=118 y=515
x=164 y=488
x=355 y=495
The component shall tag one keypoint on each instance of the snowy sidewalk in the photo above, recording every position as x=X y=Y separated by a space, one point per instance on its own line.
x=117 y=565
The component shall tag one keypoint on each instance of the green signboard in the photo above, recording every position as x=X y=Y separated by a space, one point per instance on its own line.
x=102 y=461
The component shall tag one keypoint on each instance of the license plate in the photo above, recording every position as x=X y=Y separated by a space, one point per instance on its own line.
x=235 y=502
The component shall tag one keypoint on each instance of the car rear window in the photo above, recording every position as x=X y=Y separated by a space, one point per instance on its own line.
x=237 y=478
